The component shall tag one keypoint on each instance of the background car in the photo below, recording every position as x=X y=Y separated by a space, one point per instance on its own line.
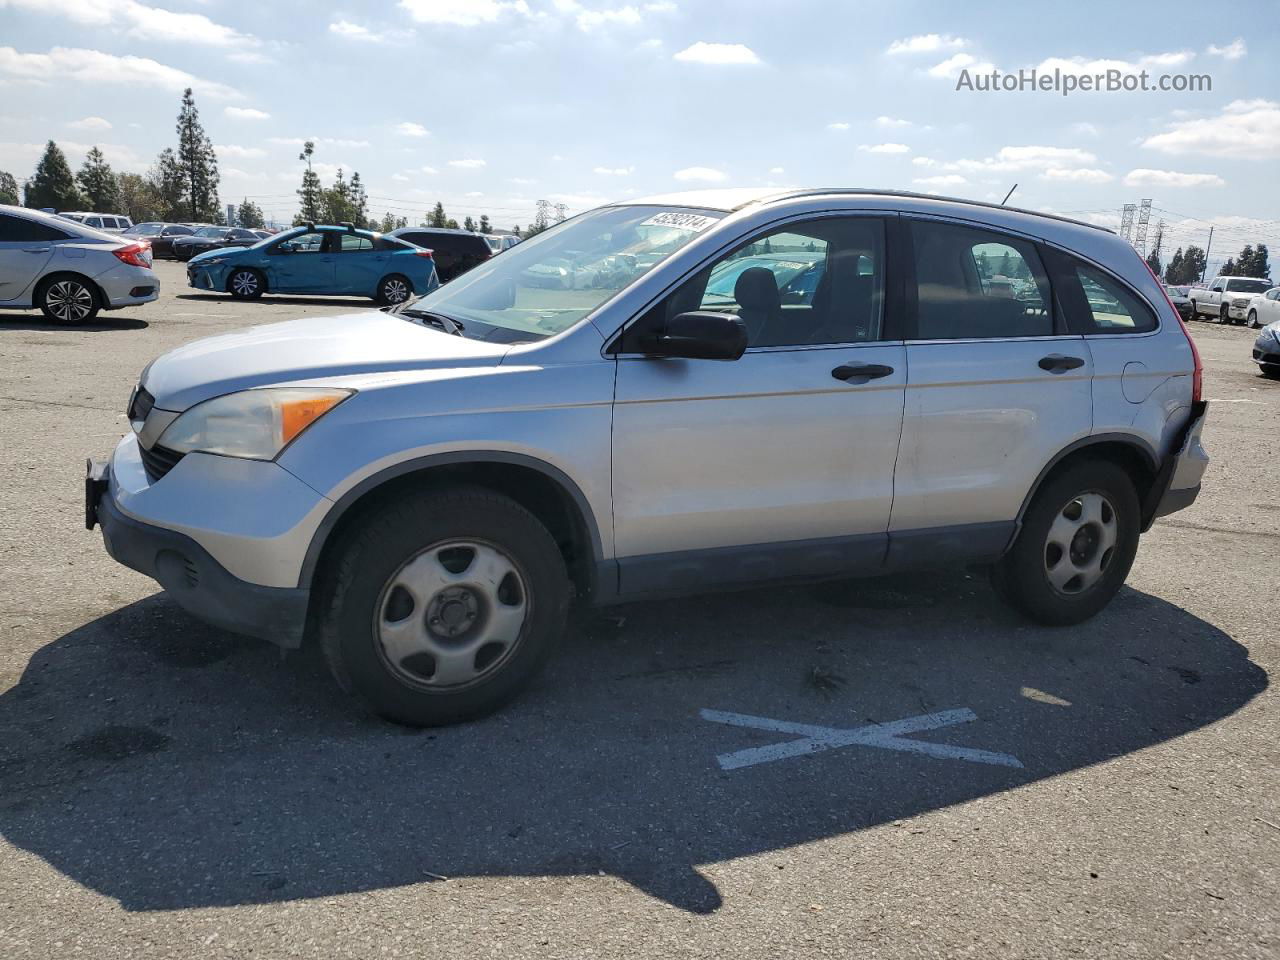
x=1181 y=302
x=107 y=222
x=1264 y=308
x=1266 y=350
x=67 y=270
x=213 y=238
x=455 y=251
x=330 y=260
x=160 y=236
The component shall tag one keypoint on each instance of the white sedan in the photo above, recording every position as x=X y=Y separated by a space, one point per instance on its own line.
x=1264 y=308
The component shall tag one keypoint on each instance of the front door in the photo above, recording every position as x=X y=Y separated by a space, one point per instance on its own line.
x=997 y=387
x=25 y=247
x=302 y=264
x=779 y=463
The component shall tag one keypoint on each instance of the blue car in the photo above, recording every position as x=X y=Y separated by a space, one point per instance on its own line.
x=332 y=260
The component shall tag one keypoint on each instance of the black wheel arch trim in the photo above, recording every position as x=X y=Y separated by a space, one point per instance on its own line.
x=1134 y=442
x=311 y=561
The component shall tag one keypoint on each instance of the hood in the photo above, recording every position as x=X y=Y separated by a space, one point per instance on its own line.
x=207 y=254
x=310 y=349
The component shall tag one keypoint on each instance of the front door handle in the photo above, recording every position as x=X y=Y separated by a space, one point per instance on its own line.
x=36 y=249
x=1057 y=363
x=861 y=372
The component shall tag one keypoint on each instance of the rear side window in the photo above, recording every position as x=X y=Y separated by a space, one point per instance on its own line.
x=352 y=243
x=1111 y=308
x=21 y=230
x=976 y=284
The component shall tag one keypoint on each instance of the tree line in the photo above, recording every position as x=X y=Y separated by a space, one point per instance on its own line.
x=1188 y=266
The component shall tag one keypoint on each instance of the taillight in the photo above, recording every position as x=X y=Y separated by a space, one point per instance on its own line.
x=135 y=254
x=423 y=253
x=1197 y=377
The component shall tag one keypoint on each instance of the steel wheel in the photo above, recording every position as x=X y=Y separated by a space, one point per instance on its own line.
x=69 y=301
x=245 y=283
x=1080 y=543
x=394 y=290
x=452 y=615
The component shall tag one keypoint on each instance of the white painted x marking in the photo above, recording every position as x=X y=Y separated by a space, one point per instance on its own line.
x=883 y=736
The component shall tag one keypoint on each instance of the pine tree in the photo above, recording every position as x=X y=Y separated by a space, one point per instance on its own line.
x=1261 y=264
x=358 y=201
x=310 y=194
x=1173 y=274
x=388 y=222
x=1193 y=264
x=336 y=202
x=197 y=163
x=165 y=180
x=436 y=217
x=250 y=214
x=52 y=184
x=1228 y=269
x=98 y=183
x=469 y=224
x=485 y=225
x=8 y=188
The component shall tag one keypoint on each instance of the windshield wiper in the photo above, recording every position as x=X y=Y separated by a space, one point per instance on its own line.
x=437 y=320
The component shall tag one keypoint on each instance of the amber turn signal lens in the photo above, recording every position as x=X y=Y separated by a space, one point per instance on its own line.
x=297 y=415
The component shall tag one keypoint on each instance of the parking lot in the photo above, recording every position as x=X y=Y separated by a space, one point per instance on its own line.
x=897 y=767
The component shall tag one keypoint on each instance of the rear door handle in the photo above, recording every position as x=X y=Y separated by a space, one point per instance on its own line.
x=1057 y=363
x=861 y=372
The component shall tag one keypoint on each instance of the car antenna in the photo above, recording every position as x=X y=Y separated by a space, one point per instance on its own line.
x=1008 y=195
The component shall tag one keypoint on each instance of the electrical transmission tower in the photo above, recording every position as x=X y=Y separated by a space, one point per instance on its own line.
x=1144 y=217
x=542 y=219
x=562 y=211
x=1126 y=220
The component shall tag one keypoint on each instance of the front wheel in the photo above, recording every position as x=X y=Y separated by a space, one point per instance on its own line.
x=246 y=284
x=392 y=290
x=1253 y=319
x=444 y=606
x=68 y=300
x=1077 y=543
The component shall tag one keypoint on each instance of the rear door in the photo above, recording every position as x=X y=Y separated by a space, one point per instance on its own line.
x=25 y=248
x=997 y=386
x=358 y=265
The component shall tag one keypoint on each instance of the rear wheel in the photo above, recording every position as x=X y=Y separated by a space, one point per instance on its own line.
x=393 y=289
x=1077 y=543
x=246 y=283
x=68 y=300
x=444 y=606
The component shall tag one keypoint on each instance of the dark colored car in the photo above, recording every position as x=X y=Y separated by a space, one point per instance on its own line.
x=215 y=238
x=455 y=251
x=160 y=235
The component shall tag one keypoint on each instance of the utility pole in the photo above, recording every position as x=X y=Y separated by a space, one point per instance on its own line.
x=1207 y=248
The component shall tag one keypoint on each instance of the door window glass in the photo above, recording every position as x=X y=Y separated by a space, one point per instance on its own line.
x=352 y=243
x=303 y=243
x=21 y=230
x=973 y=283
x=1112 y=308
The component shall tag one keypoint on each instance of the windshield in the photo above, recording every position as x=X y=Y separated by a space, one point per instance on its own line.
x=145 y=229
x=548 y=283
x=1248 y=286
x=211 y=232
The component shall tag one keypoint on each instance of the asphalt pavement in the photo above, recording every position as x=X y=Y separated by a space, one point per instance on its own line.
x=898 y=767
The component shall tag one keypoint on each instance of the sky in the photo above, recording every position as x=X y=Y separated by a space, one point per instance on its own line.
x=491 y=105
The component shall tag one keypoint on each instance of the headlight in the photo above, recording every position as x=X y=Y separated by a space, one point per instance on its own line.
x=254 y=424
x=212 y=260
x=1240 y=303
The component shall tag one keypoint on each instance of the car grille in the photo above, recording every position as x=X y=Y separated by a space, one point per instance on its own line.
x=158 y=461
x=1262 y=357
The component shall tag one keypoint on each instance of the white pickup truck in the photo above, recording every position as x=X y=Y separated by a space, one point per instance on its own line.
x=1227 y=298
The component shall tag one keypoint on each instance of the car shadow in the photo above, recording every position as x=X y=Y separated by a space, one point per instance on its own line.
x=100 y=324
x=362 y=303
x=169 y=765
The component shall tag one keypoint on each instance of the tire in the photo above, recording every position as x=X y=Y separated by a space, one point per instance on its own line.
x=1270 y=372
x=68 y=299
x=392 y=289
x=246 y=283
x=1223 y=316
x=1252 y=321
x=1032 y=576
x=1195 y=311
x=440 y=654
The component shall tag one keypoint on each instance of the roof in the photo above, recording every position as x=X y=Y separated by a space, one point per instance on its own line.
x=735 y=198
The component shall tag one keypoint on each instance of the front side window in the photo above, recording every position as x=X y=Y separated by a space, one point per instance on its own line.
x=548 y=283
x=312 y=242
x=973 y=283
x=21 y=230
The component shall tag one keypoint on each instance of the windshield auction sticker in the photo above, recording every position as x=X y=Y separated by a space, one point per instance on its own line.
x=681 y=221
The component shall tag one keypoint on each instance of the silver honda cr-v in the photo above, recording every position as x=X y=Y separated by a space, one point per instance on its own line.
x=662 y=396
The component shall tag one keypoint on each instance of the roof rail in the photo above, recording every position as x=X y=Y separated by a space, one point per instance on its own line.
x=351 y=227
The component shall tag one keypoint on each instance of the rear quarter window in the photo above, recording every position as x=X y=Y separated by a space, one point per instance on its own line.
x=1098 y=303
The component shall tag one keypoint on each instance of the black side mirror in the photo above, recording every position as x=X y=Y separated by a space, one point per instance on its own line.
x=702 y=335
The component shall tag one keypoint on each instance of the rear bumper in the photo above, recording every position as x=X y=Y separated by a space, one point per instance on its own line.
x=1178 y=482
x=127 y=286
x=200 y=584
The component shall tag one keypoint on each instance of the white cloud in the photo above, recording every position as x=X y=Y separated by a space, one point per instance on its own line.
x=700 y=175
x=235 y=150
x=720 y=54
x=615 y=171
x=401 y=177
x=777 y=170
x=411 y=129
x=93 y=68
x=427 y=169
x=924 y=161
x=951 y=66
x=318 y=141
x=90 y=123
x=1085 y=129
x=1026 y=158
x=474 y=193
x=521 y=181
x=460 y=13
x=467 y=164
x=942 y=180
x=838 y=127
x=345 y=28
x=622 y=16
x=885 y=148
x=927 y=43
x=891 y=122
x=1171 y=178
x=1231 y=51
x=578 y=199
x=1248 y=129
x=140 y=21
x=1077 y=175
x=1082 y=66
x=246 y=113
